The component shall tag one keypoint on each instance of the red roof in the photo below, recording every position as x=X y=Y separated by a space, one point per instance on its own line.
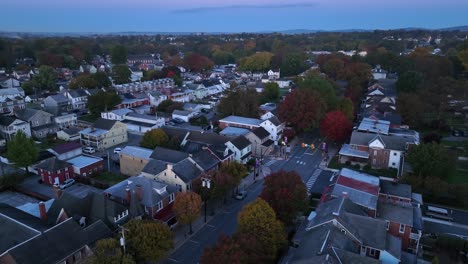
x=358 y=185
x=66 y=147
x=165 y=214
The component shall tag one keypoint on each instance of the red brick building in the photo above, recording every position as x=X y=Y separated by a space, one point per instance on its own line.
x=55 y=171
x=87 y=166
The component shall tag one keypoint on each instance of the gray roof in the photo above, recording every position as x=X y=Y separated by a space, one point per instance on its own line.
x=72 y=131
x=13 y=233
x=104 y=124
x=374 y=126
x=347 y=150
x=242 y=120
x=260 y=132
x=395 y=213
x=78 y=93
x=186 y=170
x=346 y=257
x=390 y=142
x=53 y=164
x=181 y=112
x=395 y=189
x=136 y=152
x=370 y=231
x=234 y=131
x=152 y=191
x=168 y=155
x=6 y=120
x=275 y=121
x=240 y=142
x=206 y=160
x=154 y=167
x=59 y=242
x=59 y=98
x=27 y=113
x=393 y=246
x=207 y=138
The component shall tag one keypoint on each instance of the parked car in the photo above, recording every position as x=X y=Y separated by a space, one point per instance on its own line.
x=117 y=150
x=241 y=195
x=67 y=183
x=456 y=133
x=89 y=150
x=178 y=121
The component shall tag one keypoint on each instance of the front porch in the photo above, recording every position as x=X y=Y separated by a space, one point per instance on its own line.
x=353 y=156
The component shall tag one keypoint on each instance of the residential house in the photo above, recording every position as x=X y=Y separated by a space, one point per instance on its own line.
x=9 y=82
x=78 y=98
x=184 y=115
x=362 y=189
x=156 y=98
x=22 y=76
x=133 y=160
x=104 y=134
x=181 y=174
x=54 y=171
x=207 y=160
x=141 y=58
x=145 y=87
x=235 y=132
x=66 y=150
x=11 y=99
x=157 y=198
x=182 y=96
x=88 y=69
x=86 y=166
x=274 y=74
x=378 y=73
x=9 y=126
x=195 y=141
x=272 y=125
x=199 y=90
x=40 y=121
x=65 y=120
x=117 y=114
x=242 y=149
x=142 y=123
x=262 y=145
x=69 y=134
x=133 y=100
x=168 y=155
x=58 y=101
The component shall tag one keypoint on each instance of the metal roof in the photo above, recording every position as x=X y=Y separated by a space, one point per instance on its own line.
x=346 y=150
x=375 y=126
x=242 y=120
x=83 y=161
x=137 y=152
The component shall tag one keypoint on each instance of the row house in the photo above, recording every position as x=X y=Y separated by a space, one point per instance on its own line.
x=156 y=198
x=144 y=87
x=260 y=140
x=272 y=125
x=182 y=96
x=141 y=59
x=104 y=134
x=133 y=100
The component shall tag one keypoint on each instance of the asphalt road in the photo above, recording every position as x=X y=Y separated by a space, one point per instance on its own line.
x=459 y=216
x=224 y=222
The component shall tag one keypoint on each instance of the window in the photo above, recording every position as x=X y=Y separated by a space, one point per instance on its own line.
x=160 y=205
x=67 y=175
x=375 y=152
x=402 y=228
x=394 y=153
x=388 y=225
x=393 y=163
x=372 y=252
x=171 y=198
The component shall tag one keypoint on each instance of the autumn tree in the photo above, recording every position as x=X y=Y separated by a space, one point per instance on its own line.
x=323 y=87
x=187 y=207
x=258 y=219
x=121 y=74
x=259 y=61
x=303 y=109
x=148 y=240
x=333 y=67
x=226 y=250
x=83 y=81
x=286 y=193
x=154 y=138
x=119 y=54
x=235 y=170
x=336 y=126
x=240 y=102
x=168 y=106
x=346 y=106
x=431 y=160
x=109 y=251
x=271 y=93
x=22 y=151
x=196 y=62
x=103 y=101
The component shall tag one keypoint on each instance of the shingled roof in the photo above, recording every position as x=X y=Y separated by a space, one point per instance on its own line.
x=53 y=164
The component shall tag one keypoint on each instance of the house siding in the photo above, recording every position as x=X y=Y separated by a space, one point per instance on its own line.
x=48 y=177
x=131 y=165
x=394 y=229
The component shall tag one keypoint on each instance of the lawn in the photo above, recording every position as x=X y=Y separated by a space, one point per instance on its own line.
x=110 y=178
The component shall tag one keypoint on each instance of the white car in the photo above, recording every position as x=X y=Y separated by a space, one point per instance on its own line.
x=67 y=183
x=241 y=195
x=89 y=150
x=117 y=150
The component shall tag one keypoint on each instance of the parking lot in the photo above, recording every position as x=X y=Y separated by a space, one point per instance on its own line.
x=16 y=199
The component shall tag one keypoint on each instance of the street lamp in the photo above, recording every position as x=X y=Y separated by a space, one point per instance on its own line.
x=206 y=183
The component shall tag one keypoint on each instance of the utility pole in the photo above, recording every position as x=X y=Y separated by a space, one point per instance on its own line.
x=108 y=162
x=206 y=183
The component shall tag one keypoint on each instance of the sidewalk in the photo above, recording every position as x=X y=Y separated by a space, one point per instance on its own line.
x=181 y=231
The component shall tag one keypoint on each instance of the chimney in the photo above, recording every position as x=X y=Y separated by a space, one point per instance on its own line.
x=128 y=195
x=169 y=166
x=42 y=211
x=139 y=192
x=57 y=191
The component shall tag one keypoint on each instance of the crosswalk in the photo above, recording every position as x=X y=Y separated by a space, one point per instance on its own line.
x=310 y=182
x=301 y=162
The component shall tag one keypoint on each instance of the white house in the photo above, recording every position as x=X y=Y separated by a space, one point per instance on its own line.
x=142 y=123
x=66 y=120
x=69 y=134
x=241 y=147
x=378 y=73
x=273 y=75
x=183 y=97
x=274 y=127
x=156 y=98
x=9 y=126
x=117 y=114
x=78 y=98
x=66 y=150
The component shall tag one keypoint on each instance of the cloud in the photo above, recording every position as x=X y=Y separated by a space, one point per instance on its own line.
x=221 y=8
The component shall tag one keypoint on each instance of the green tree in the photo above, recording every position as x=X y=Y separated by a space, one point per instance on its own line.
x=109 y=251
x=154 y=138
x=286 y=193
x=46 y=79
x=325 y=88
x=258 y=219
x=83 y=81
x=168 y=106
x=259 y=61
x=235 y=170
x=222 y=57
x=22 y=151
x=431 y=160
x=102 y=79
x=346 y=106
x=148 y=240
x=103 y=101
x=241 y=102
x=271 y=92
x=119 y=54
x=121 y=74
x=293 y=64
x=187 y=207
x=409 y=82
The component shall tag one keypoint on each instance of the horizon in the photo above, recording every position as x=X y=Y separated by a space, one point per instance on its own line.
x=254 y=16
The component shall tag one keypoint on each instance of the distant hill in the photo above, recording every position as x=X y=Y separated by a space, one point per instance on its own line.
x=460 y=28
